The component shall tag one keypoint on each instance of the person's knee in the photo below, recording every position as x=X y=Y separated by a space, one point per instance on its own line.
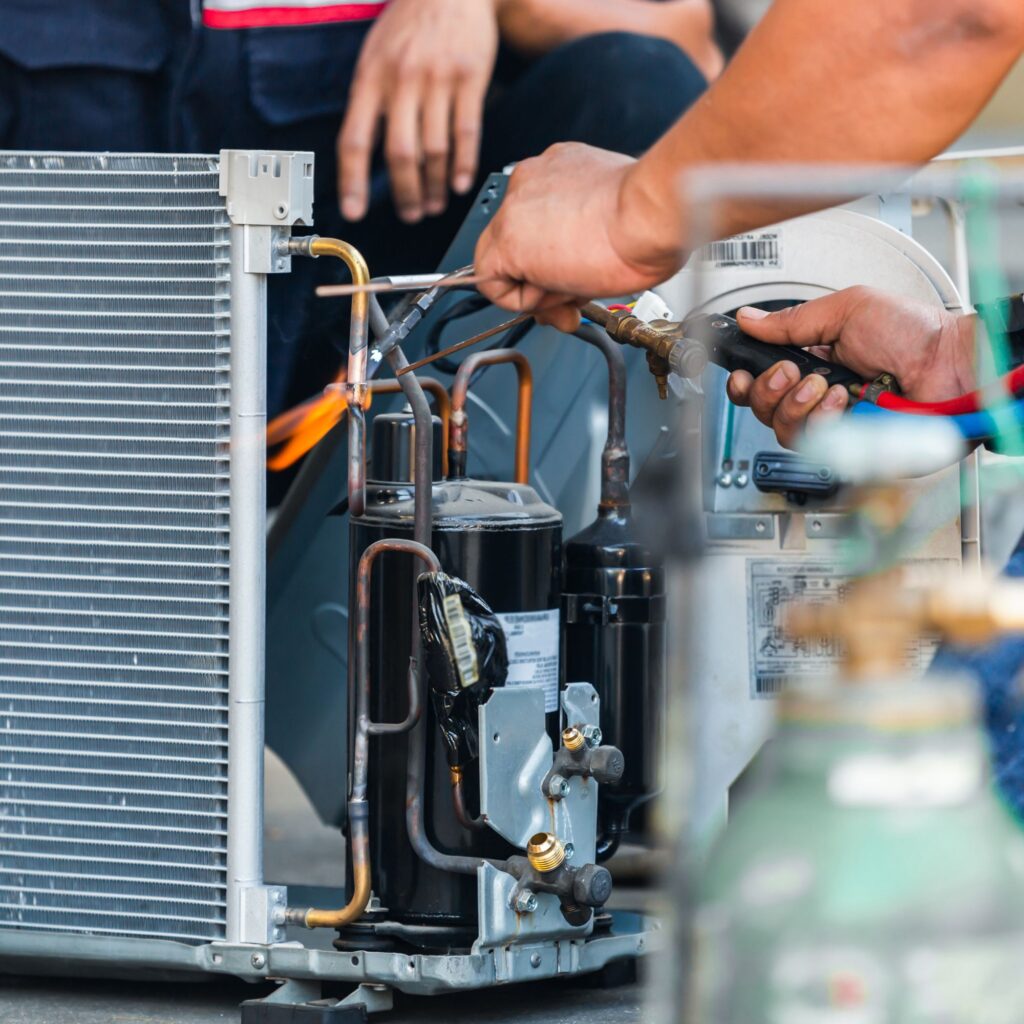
x=634 y=85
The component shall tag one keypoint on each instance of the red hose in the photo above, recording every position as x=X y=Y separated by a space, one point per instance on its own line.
x=1012 y=384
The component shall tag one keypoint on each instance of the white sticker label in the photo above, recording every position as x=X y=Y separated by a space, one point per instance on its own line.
x=759 y=250
x=776 y=657
x=462 y=640
x=533 y=651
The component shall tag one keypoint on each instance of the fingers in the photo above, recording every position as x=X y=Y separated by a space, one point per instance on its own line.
x=784 y=402
x=469 y=106
x=355 y=146
x=402 y=150
x=818 y=322
x=437 y=115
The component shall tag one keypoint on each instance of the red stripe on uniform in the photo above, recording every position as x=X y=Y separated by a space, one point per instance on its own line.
x=269 y=17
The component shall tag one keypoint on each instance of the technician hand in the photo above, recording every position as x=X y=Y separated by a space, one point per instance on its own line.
x=424 y=70
x=575 y=223
x=928 y=349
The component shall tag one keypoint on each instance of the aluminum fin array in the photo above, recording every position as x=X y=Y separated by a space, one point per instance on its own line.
x=115 y=378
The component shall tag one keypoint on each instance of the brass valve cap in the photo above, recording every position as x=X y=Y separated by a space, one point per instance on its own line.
x=545 y=852
x=572 y=738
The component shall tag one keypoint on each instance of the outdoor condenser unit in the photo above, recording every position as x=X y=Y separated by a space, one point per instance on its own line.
x=132 y=423
x=133 y=593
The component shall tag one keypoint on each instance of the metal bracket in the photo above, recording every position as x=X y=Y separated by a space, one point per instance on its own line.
x=500 y=924
x=266 y=192
x=299 y=1002
x=262 y=913
x=515 y=758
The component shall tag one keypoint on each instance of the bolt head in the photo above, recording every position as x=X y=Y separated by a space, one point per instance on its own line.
x=570 y=851
x=258 y=960
x=558 y=787
x=526 y=902
x=535 y=960
x=593 y=735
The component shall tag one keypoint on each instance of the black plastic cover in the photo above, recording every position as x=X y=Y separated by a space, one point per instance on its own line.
x=466 y=656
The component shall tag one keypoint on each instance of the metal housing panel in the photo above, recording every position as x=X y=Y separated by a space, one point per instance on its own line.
x=115 y=545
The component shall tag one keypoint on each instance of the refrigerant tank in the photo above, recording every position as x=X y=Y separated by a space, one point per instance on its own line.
x=507 y=544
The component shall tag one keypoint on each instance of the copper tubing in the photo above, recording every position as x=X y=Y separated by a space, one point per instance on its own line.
x=459 y=802
x=458 y=436
x=358 y=338
x=441 y=400
x=358 y=810
x=615 y=456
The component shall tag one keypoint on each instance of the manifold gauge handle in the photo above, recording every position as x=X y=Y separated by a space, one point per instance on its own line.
x=729 y=347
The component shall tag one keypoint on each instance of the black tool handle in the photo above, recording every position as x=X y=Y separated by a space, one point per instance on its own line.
x=728 y=347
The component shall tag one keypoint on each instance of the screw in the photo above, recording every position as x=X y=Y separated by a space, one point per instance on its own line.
x=759 y=526
x=258 y=960
x=570 y=851
x=558 y=787
x=535 y=960
x=526 y=902
x=592 y=735
x=725 y=479
x=741 y=480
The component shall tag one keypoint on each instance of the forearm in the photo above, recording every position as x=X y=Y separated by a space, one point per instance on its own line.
x=847 y=81
x=537 y=26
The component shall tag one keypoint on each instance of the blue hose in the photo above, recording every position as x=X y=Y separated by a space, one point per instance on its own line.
x=975 y=426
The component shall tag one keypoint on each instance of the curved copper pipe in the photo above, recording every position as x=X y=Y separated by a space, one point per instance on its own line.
x=462 y=815
x=441 y=400
x=358 y=339
x=358 y=811
x=458 y=437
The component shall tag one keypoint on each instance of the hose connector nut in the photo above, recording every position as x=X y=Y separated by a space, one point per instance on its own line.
x=545 y=852
x=573 y=739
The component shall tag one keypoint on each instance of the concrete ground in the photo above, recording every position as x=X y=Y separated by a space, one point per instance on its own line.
x=94 y=1002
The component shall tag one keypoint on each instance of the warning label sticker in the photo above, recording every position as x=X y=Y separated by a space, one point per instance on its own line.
x=775 y=657
x=761 y=249
x=533 y=651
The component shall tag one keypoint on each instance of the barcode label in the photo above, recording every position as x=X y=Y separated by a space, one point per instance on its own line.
x=768 y=686
x=462 y=640
x=757 y=250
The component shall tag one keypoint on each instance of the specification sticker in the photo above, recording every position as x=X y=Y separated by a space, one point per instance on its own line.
x=762 y=249
x=533 y=651
x=775 y=657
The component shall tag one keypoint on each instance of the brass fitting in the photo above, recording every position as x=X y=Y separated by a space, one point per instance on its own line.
x=573 y=739
x=545 y=852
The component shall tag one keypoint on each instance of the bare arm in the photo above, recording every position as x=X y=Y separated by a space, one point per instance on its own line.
x=847 y=81
x=818 y=81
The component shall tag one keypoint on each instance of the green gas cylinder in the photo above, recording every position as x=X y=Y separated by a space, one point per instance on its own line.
x=869 y=873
